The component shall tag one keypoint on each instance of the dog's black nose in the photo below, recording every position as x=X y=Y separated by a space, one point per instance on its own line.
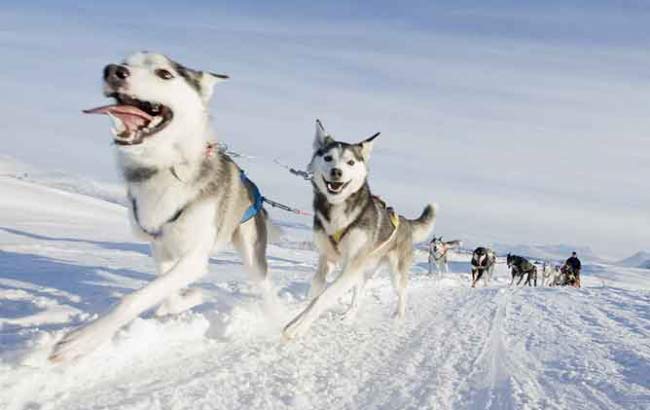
x=336 y=173
x=115 y=74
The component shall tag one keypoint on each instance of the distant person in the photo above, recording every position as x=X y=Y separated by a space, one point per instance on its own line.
x=574 y=264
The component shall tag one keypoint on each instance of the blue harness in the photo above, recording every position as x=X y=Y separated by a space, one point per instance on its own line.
x=254 y=209
x=258 y=199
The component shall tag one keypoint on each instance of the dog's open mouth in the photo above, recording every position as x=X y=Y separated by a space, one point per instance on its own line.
x=335 y=187
x=133 y=119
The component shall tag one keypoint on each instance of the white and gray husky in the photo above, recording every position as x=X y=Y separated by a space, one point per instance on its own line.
x=185 y=200
x=439 y=254
x=354 y=229
x=552 y=274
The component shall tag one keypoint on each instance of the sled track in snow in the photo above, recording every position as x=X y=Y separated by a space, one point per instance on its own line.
x=450 y=332
x=487 y=386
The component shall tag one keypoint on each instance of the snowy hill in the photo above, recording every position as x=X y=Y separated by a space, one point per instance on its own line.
x=66 y=257
x=640 y=260
x=71 y=183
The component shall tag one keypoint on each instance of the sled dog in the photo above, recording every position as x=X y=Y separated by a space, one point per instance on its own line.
x=520 y=267
x=483 y=263
x=439 y=254
x=185 y=202
x=550 y=274
x=354 y=229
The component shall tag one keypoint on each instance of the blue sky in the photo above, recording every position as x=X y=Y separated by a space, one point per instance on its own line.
x=527 y=122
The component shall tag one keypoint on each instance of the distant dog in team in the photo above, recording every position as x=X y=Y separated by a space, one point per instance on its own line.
x=439 y=254
x=551 y=274
x=521 y=267
x=483 y=262
x=354 y=229
x=186 y=201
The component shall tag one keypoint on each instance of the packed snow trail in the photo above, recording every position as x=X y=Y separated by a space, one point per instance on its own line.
x=65 y=257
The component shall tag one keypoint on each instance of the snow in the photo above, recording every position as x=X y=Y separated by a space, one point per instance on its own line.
x=67 y=255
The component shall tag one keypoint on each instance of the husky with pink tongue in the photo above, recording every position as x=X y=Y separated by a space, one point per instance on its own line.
x=187 y=201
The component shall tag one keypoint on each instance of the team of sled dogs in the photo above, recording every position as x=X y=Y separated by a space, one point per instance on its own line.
x=189 y=201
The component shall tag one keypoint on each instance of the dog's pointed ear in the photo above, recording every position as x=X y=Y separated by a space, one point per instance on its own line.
x=321 y=138
x=207 y=81
x=202 y=81
x=366 y=146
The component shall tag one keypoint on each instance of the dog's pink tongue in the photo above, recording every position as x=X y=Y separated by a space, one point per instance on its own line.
x=132 y=117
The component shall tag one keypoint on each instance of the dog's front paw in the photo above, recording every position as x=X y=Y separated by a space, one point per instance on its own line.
x=180 y=303
x=289 y=333
x=80 y=342
x=294 y=329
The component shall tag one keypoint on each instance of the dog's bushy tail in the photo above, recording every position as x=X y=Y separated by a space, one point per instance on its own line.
x=422 y=226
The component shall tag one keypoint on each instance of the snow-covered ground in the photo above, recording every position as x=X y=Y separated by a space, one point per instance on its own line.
x=67 y=256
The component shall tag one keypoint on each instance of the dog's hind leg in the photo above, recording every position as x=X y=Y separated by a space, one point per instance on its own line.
x=250 y=240
x=530 y=276
x=402 y=284
x=399 y=269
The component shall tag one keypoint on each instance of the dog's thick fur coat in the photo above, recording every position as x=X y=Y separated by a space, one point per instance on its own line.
x=185 y=203
x=483 y=263
x=439 y=254
x=354 y=230
x=521 y=267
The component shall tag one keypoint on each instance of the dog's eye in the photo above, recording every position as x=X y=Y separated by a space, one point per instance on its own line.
x=351 y=162
x=164 y=74
x=327 y=158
